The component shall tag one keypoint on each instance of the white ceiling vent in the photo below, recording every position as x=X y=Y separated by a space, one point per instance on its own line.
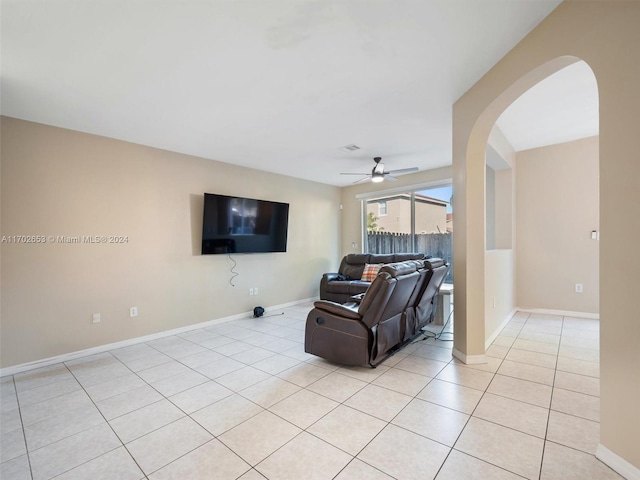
x=350 y=148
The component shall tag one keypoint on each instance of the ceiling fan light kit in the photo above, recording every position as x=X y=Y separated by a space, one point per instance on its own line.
x=379 y=175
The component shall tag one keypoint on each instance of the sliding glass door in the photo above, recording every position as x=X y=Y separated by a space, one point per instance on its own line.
x=412 y=221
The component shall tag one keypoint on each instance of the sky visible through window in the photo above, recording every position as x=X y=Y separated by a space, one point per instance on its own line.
x=441 y=193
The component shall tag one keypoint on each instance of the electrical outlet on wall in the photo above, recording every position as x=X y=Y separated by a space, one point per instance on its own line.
x=578 y=288
x=133 y=312
x=251 y=293
x=96 y=318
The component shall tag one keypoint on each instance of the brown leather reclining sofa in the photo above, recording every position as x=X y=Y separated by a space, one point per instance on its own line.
x=340 y=287
x=400 y=301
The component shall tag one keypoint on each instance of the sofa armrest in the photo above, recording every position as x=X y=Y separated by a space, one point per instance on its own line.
x=330 y=277
x=348 y=310
x=326 y=278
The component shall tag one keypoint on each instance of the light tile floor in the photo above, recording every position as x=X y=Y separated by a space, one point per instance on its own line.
x=243 y=400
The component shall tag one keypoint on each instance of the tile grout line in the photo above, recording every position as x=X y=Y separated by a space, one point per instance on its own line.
x=83 y=388
x=387 y=422
x=163 y=398
x=546 y=432
x=69 y=436
x=469 y=419
x=107 y=422
x=307 y=362
x=216 y=437
x=24 y=434
x=305 y=430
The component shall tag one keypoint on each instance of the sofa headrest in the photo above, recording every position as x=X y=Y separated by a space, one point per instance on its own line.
x=381 y=258
x=358 y=259
x=353 y=264
x=401 y=257
x=434 y=262
x=398 y=269
x=362 y=258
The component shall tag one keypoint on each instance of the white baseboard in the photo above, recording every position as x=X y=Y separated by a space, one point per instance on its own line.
x=564 y=313
x=268 y=310
x=497 y=331
x=133 y=341
x=469 y=359
x=617 y=463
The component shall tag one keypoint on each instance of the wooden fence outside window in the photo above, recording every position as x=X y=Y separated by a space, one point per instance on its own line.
x=434 y=244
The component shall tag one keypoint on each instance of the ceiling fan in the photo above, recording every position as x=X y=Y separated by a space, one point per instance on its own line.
x=378 y=174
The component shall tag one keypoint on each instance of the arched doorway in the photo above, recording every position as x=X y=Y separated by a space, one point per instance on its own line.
x=469 y=198
x=599 y=33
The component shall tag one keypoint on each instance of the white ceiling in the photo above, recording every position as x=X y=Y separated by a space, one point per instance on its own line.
x=278 y=85
x=561 y=108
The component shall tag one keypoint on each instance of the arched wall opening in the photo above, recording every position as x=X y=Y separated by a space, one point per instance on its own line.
x=470 y=184
x=605 y=36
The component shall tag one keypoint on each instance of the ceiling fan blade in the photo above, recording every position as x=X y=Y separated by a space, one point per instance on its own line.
x=361 y=180
x=378 y=173
x=403 y=170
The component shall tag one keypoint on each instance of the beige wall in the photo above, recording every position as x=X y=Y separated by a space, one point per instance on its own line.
x=500 y=295
x=490 y=208
x=505 y=208
x=504 y=165
x=352 y=210
x=61 y=182
x=499 y=282
x=557 y=208
x=606 y=36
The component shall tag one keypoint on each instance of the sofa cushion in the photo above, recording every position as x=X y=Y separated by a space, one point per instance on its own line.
x=370 y=271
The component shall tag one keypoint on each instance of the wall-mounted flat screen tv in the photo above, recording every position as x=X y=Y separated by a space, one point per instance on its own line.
x=243 y=225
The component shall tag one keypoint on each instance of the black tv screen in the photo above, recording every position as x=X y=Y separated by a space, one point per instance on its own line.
x=243 y=225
